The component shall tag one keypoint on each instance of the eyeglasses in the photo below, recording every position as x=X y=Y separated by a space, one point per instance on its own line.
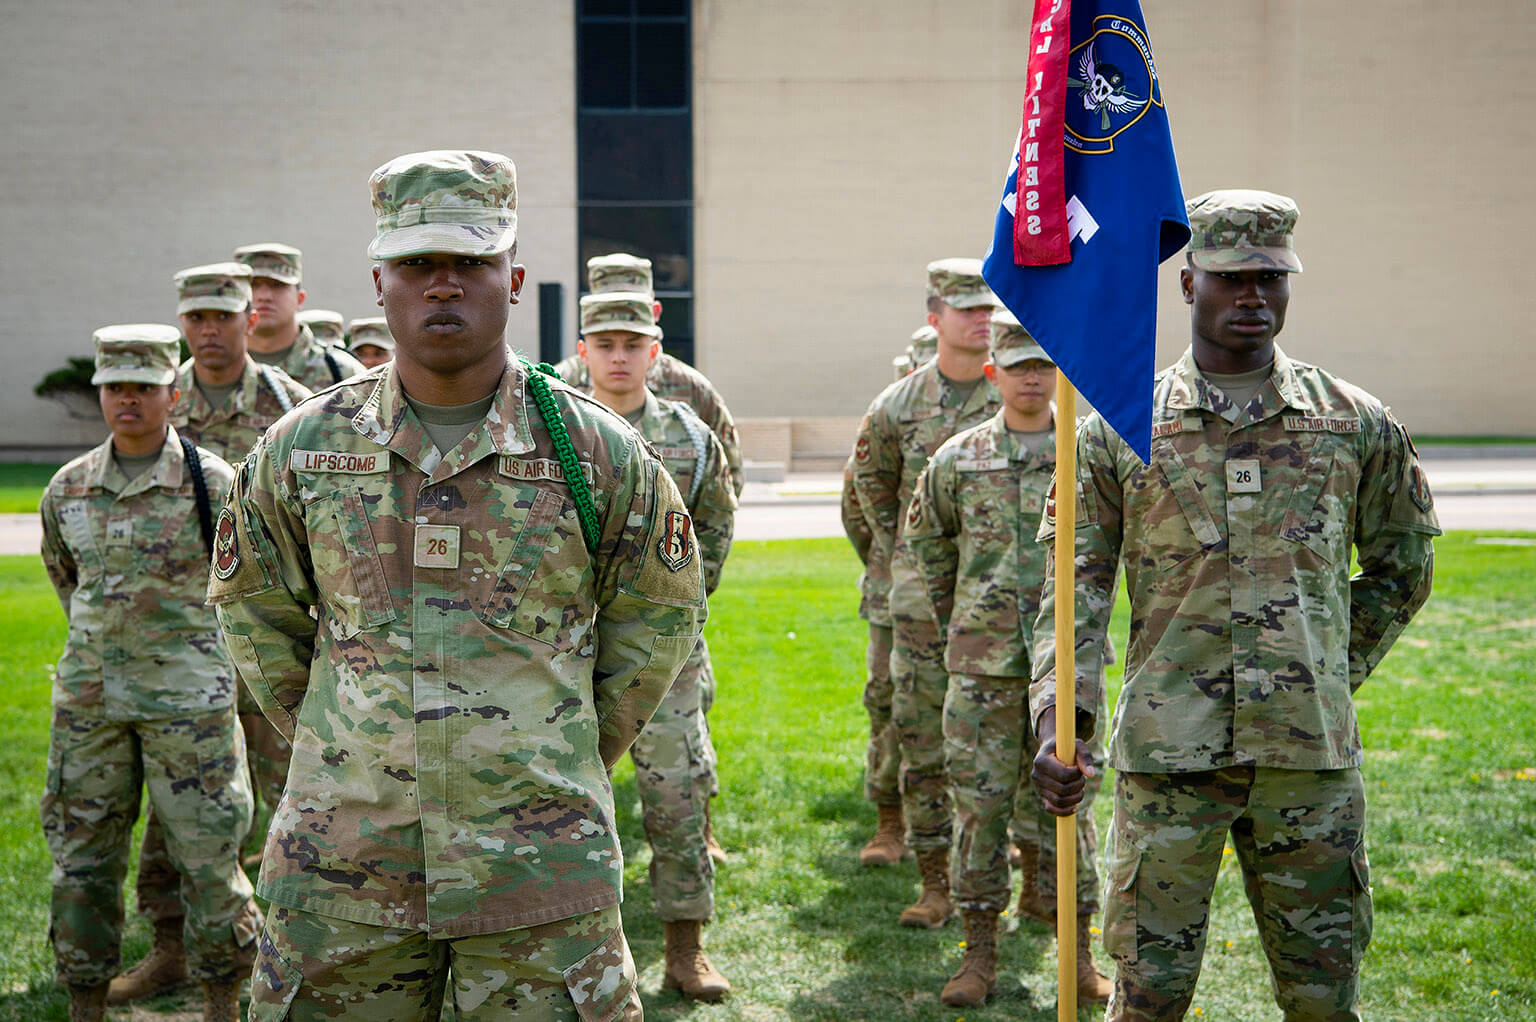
x=1029 y=366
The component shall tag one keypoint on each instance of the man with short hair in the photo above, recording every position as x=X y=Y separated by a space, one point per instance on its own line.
x=278 y=338
x=907 y=680
x=461 y=588
x=971 y=536
x=370 y=341
x=143 y=695
x=1251 y=635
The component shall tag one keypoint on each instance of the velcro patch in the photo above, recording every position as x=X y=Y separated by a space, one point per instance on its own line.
x=861 y=450
x=226 y=548
x=675 y=547
x=1188 y=424
x=1320 y=424
x=981 y=464
x=348 y=462
x=514 y=467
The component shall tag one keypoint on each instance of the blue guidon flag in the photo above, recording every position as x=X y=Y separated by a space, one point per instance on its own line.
x=1091 y=206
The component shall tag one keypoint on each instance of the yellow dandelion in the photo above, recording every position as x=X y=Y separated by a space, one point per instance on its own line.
x=1493 y=993
x=961 y=944
x=1231 y=943
x=1477 y=777
x=1094 y=929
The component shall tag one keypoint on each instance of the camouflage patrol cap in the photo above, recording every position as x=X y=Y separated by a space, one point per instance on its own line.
x=272 y=260
x=1011 y=343
x=136 y=353
x=222 y=286
x=619 y=310
x=372 y=330
x=328 y=327
x=458 y=201
x=619 y=271
x=1242 y=229
x=959 y=284
x=925 y=344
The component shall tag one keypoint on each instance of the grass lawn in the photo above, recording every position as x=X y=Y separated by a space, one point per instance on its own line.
x=804 y=933
x=21 y=486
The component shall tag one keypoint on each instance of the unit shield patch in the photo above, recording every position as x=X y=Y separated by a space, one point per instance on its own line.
x=676 y=543
x=226 y=548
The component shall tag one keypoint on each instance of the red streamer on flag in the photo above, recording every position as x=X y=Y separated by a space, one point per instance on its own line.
x=1040 y=233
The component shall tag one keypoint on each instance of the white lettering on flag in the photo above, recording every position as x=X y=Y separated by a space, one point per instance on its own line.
x=1080 y=222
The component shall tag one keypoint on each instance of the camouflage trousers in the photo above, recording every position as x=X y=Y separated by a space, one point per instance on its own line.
x=670 y=756
x=1299 y=838
x=882 y=760
x=194 y=769
x=919 y=683
x=315 y=967
x=158 y=885
x=988 y=749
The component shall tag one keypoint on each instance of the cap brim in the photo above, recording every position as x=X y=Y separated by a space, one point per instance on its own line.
x=1013 y=356
x=653 y=332
x=130 y=374
x=971 y=301
x=211 y=302
x=372 y=342
x=455 y=239
x=281 y=278
x=1226 y=260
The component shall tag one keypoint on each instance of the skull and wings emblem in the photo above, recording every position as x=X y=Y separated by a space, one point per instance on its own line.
x=1103 y=86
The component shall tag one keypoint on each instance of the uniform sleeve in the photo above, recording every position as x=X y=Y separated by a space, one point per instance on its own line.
x=58 y=561
x=877 y=478
x=650 y=600
x=714 y=519
x=930 y=536
x=1097 y=553
x=262 y=587
x=854 y=525
x=1395 y=526
x=717 y=417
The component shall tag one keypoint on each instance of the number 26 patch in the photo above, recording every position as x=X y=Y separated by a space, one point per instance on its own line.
x=437 y=546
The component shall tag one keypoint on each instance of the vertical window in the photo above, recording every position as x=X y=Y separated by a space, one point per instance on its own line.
x=634 y=142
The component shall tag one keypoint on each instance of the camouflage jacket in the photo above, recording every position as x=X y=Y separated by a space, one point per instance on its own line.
x=970 y=534
x=858 y=532
x=474 y=670
x=905 y=424
x=128 y=561
x=232 y=430
x=672 y=379
x=696 y=461
x=307 y=363
x=1248 y=633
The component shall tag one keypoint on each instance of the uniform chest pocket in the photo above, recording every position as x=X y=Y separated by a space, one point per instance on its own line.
x=351 y=580
x=1320 y=514
x=537 y=590
x=1169 y=530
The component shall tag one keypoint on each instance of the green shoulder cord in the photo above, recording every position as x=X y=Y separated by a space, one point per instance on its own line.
x=565 y=451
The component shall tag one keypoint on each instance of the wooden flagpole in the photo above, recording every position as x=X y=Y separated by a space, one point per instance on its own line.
x=1066 y=692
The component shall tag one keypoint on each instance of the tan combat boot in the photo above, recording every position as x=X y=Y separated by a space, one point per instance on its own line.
x=933 y=908
x=890 y=841
x=1031 y=905
x=88 y=1003
x=164 y=968
x=1092 y=985
x=977 y=978
x=688 y=969
x=221 y=1002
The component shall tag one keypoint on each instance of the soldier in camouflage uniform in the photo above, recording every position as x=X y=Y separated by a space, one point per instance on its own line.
x=901 y=430
x=971 y=535
x=674 y=757
x=225 y=403
x=279 y=338
x=1250 y=635
x=143 y=694
x=670 y=378
x=370 y=341
x=328 y=326
x=504 y=582
x=923 y=346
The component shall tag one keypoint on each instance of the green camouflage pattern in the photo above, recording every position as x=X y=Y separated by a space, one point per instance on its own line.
x=924 y=344
x=319 y=967
x=308 y=362
x=328 y=326
x=619 y=310
x=193 y=767
x=136 y=353
x=223 y=287
x=1235 y=229
x=233 y=429
x=472 y=670
x=695 y=459
x=455 y=201
x=882 y=755
x=1299 y=839
x=1011 y=344
x=854 y=525
x=371 y=330
x=959 y=284
x=128 y=563
x=619 y=271
x=1248 y=633
x=272 y=260
x=672 y=379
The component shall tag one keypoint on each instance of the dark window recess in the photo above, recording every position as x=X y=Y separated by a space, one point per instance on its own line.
x=661 y=8
x=606 y=8
x=633 y=157
x=661 y=70
x=662 y=234
x=607 y=65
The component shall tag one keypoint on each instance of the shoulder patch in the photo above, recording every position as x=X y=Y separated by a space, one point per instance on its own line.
x=861 y=451
x=226 y=546
x=338 y=461
x=675 y=547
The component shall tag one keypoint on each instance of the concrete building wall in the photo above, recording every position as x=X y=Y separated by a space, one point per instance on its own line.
x=841 y=147
x=140 y=140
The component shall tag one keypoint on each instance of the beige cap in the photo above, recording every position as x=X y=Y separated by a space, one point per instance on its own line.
x=272 y=260
x=1242 y=229
x=328 y=326
x=959 y=283
x=619 y=271
x=370 y=330
x=136 y=353
x=619 y=310
x=459 y=201
x=222 y=286
x=1011 y=343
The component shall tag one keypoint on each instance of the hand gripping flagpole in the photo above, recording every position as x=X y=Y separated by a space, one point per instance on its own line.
x=1066 y=692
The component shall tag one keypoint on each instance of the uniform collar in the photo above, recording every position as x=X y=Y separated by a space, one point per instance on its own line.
x=297 y=359
x=1007 y=445
x=934 y=385
x=1190 y=390
x=192 y=406
x=103 y=472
